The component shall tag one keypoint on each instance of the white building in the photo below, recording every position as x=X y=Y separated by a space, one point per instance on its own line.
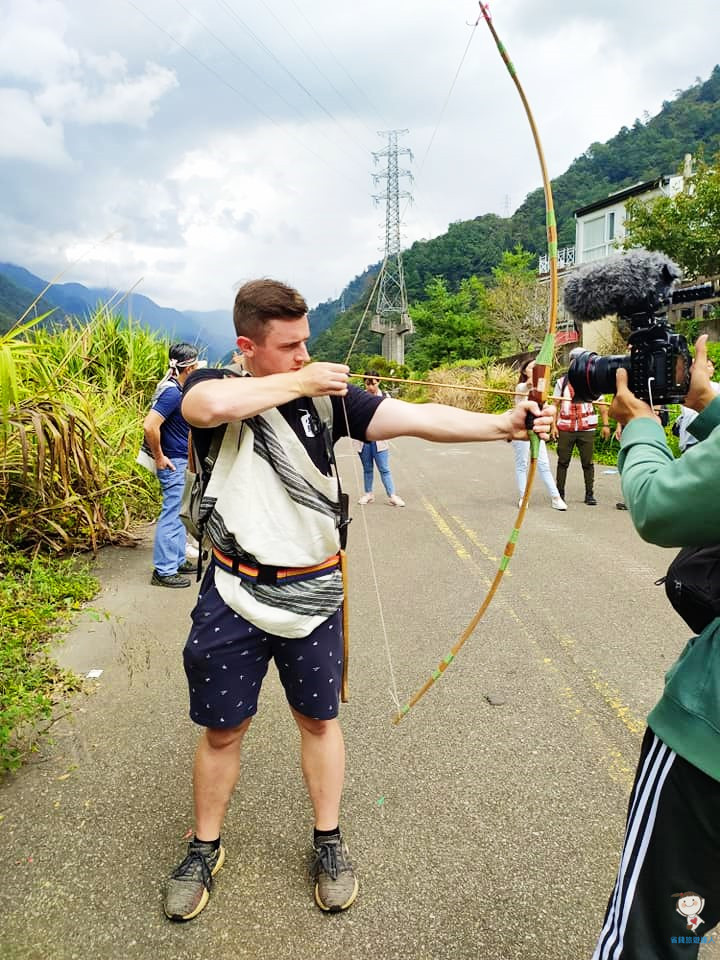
x=600 y=226
x=599 y=232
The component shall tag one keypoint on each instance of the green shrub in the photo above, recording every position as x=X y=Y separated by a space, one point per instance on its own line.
x=37 y=597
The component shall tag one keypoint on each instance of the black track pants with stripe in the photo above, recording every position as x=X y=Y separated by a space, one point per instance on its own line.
x=671 y=855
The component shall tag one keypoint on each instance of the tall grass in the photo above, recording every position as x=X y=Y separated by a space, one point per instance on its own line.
x=492 y=376
x=72 y=402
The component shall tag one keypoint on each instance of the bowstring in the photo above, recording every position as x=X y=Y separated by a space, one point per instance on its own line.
x=371 y=555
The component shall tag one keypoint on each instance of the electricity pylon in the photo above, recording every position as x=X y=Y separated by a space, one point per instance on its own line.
x=392 y=317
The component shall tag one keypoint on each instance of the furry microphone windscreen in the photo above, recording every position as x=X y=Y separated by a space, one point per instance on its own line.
x=625 y=284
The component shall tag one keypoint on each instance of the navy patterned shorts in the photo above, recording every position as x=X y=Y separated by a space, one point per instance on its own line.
x=226 y=659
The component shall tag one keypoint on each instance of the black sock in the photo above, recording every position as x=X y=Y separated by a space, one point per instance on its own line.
x=320 y=835
x=213 y=843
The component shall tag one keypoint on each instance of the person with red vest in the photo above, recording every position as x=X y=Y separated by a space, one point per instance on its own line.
x=575 y=425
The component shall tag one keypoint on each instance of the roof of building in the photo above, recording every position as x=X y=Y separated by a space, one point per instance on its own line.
x=623 y=194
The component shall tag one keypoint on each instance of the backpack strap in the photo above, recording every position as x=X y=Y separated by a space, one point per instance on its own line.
x=203 y=466
x=324 y=408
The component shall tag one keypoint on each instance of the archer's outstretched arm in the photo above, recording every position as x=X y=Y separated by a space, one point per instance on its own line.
x=209 y=402
x=444 y=424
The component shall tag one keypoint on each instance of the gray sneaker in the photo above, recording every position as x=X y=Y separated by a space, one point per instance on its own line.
x=336 y=885
x=188 y=889
x=170 y=580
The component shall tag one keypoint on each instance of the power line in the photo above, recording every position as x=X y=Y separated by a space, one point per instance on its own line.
x=362 y=93
x=247 y=66
x=444 y=107
x=237 y=92
x=232 y=53
x=312 y=61
x=447 y=99
x=300 y=84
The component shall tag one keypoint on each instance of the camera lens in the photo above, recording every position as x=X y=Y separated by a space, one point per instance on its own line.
x=591 y=375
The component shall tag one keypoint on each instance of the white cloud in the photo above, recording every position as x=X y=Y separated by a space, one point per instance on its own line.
x=131 y=101
x=215 y=165
x=26 y=133
x=32 y=44
x=69 y=85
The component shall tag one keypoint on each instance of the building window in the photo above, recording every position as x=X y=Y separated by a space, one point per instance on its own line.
x=598 y=235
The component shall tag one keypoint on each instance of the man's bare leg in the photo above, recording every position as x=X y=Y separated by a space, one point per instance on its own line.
x=215 y=773
x=323 y=765
x=217 y=764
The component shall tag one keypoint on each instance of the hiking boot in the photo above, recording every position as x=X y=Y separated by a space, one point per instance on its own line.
x=188 y=888
x=395 y=501
x=171 y=580
x=558 y=503
x=336 y=885
x=590 y=500
x=366 y=498
x=189 y=566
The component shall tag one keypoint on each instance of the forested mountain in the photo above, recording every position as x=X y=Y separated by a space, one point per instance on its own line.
x=653 y=146
x=212 y=330
x=14 y=302
x=323 y=315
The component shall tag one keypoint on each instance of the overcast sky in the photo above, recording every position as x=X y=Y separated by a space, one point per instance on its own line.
x=220 y=140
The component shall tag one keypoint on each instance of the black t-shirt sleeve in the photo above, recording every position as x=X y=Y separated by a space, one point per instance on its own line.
x=360 y=406
x=202 y=436
x=207 y=373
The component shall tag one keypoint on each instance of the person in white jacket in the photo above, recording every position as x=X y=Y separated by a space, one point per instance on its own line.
x=521 y=448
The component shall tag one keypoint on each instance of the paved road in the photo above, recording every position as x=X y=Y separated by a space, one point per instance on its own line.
x=487 y=825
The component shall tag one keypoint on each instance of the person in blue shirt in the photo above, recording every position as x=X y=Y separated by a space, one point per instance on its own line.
x=166 y=437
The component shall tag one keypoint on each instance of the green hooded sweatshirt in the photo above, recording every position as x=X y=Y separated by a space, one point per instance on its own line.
x=676 y=503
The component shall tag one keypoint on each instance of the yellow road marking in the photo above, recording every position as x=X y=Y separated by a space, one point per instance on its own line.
x=618 y=768
x=445 y=530
x=475 y=540
x=621 y=710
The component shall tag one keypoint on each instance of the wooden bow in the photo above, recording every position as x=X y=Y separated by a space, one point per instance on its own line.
x=538 y=392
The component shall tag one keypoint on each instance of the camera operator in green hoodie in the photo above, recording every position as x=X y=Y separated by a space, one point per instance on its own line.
x=667 y=893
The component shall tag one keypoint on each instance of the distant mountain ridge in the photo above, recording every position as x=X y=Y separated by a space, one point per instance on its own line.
x=14 y=302
x=211 y=330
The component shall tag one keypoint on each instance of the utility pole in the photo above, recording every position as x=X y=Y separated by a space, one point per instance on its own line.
x=392 y=317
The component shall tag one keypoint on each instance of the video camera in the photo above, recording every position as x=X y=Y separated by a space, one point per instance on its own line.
x=637 y=286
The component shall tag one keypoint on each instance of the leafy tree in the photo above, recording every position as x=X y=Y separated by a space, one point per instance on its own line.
x=350 y=327
x=384 y=368
x=686 y=227
x=451 y=326
x=469 y=248
x=517 y=304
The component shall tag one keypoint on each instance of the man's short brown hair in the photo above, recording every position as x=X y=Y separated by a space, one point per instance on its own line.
x=259 y=301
